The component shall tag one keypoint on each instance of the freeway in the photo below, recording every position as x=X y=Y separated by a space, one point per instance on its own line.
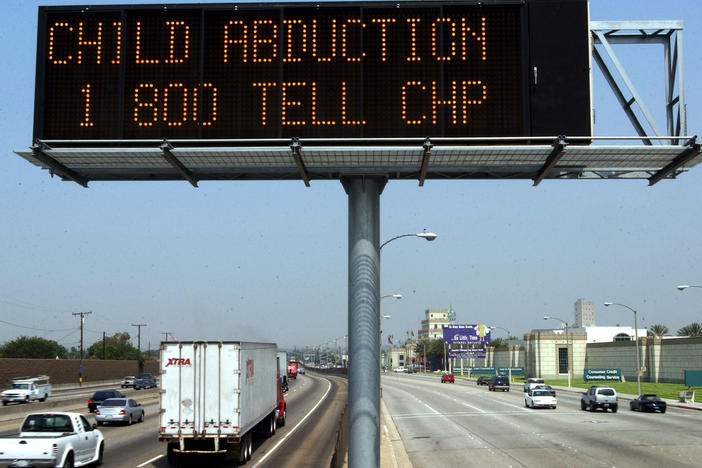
x=445 y=424
x=315 y=404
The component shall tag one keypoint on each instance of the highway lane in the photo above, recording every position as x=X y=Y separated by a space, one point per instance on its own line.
x=441 y=424
x=138 y=446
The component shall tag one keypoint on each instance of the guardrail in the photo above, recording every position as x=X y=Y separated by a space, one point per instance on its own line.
x=339 y=457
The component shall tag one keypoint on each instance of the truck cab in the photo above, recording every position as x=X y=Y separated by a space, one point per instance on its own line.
x=292 y=369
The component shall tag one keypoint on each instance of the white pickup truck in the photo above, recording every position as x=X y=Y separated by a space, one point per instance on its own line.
x=53 y=439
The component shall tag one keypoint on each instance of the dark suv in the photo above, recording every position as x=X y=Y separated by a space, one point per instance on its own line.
x=100 y=396
x=144 y=381
x=498 y=382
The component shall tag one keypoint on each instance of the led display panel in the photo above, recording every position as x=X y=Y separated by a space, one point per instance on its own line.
x=338 y=70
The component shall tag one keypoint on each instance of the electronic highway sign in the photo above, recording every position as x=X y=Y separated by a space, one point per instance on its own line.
x=313 y=70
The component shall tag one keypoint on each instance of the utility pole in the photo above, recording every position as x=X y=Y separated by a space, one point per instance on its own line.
x=139 y=325
x=80 y=367
x=165 y=335
x=103 y=346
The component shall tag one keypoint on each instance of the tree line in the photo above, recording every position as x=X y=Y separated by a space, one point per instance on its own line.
x=115 y=347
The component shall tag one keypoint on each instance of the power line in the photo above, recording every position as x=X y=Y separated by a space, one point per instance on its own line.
x=37 y=329
x=27 y=305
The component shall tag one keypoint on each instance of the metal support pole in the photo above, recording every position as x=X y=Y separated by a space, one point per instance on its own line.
x=638 y=363
x=364 y=322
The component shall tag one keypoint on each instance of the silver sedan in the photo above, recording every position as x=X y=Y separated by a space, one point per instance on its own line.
x=124 y=410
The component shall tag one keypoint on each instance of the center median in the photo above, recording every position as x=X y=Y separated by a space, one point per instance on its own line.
x=16 y=412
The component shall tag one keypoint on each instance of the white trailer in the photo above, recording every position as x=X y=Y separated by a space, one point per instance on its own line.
x=216 y=395
x=282 y=366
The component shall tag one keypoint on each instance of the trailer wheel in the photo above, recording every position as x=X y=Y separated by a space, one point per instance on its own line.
x=242 y=452
x=172 y=457
x=282 y=419
x=249 y=446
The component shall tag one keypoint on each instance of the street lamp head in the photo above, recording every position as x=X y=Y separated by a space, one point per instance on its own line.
x=683 y=287
x=430 y=236
x=386 y=316
x=397 y=296
x=607 y=304
x=546 y=317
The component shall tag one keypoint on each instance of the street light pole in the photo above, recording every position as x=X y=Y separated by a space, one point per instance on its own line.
x=509 y=352
x=636 y=337
x=568 y=342
x=364 y=319
x=385 y=316
x=430 y=236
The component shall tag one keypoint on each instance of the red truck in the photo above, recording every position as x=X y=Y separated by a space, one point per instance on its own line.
x=292 y=369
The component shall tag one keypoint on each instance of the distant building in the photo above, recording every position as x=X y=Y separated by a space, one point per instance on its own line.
x=584 y=314
x=402 y=356
x=433 y=324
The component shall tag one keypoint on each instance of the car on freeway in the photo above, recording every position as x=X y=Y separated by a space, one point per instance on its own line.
x=532 y=382
x=123 y=410
x=400 y=370
x=483 y=380
x=300 y=370
x=144 y=380
x=546 y=387
x=539 y=399
x=448 y=378
x=600 y=397
x=648 y=402
x=498 y=382
x=100 y=396
x=128 y=381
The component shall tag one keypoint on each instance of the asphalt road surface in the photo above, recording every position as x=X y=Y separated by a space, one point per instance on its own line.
x=448 y=425
x=315 y=404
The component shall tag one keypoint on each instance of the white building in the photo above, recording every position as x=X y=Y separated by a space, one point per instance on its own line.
x=584 y=324
x=608 y=334
x=584 y=313
x=433 y=324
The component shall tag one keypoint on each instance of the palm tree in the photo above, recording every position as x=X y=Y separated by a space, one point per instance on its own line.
x=658 y=330
x=694 y=329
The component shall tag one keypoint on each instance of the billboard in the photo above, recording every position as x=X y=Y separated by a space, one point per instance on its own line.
x=328 y=70
x=466 y=353
x=466 y=334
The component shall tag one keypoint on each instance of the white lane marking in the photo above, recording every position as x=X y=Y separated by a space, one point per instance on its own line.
x=273 y=449
x=150 y=461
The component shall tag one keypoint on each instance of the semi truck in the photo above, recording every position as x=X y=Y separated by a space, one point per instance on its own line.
x=216 y=396
x=292 y=369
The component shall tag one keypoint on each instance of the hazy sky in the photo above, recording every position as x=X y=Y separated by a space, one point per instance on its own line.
x=268 y=260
